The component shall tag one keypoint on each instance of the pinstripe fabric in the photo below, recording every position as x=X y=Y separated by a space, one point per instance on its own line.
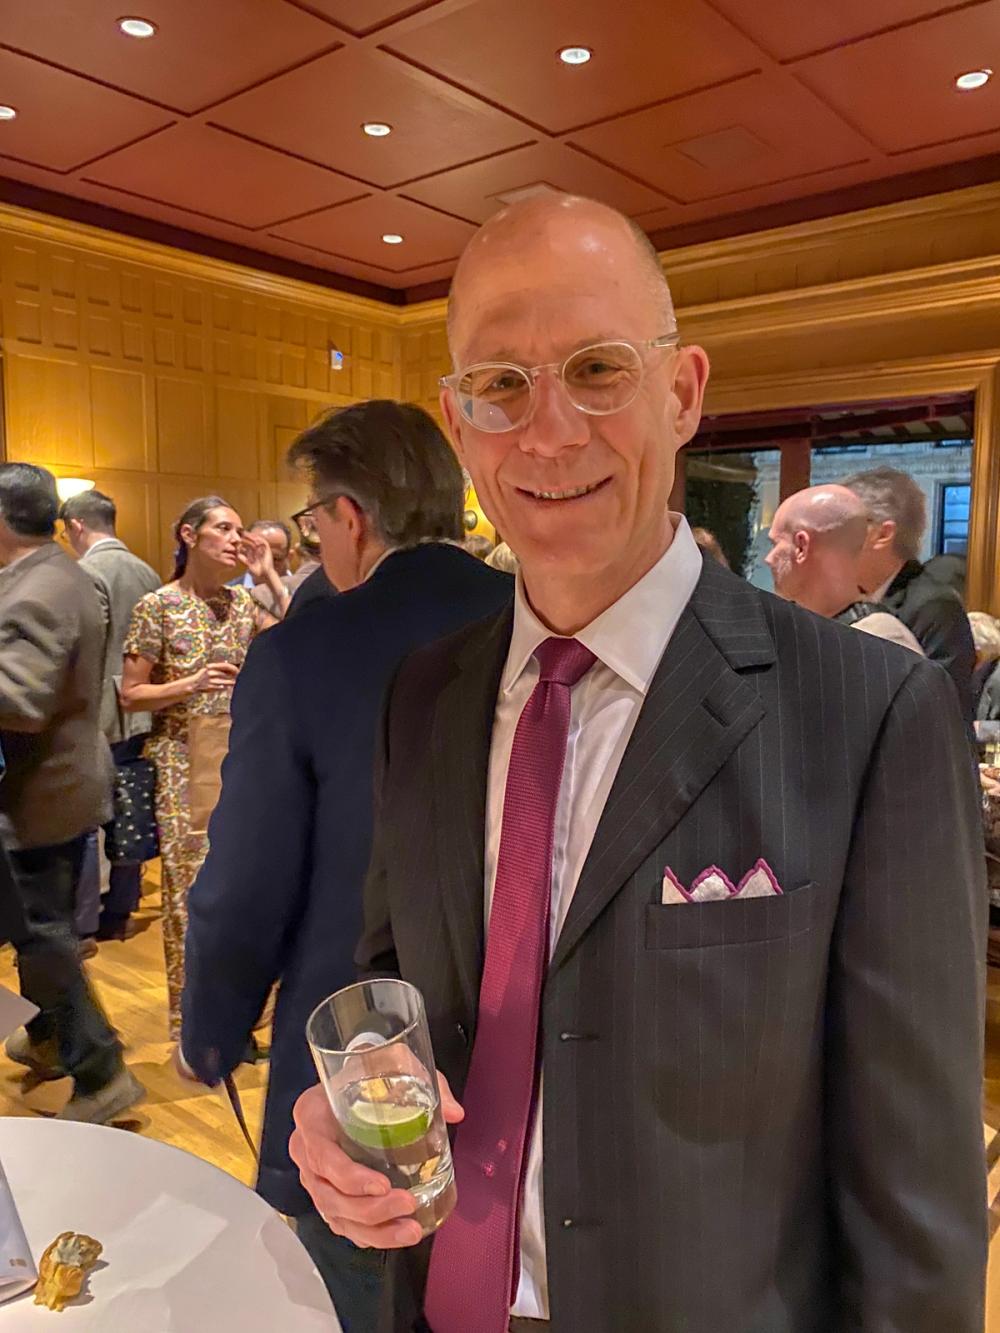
x=761 y=1116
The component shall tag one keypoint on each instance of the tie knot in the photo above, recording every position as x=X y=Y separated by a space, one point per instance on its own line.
x=563 y=661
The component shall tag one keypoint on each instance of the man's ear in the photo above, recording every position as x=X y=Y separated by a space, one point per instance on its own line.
x=351 y=513
x=689 y=392
x=882 y=534
x=801 y=542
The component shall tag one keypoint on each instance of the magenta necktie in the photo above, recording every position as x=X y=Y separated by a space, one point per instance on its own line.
x=474 y=1267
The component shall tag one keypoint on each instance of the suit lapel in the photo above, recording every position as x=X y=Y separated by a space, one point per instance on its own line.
x=462 y=731
x=698 y=710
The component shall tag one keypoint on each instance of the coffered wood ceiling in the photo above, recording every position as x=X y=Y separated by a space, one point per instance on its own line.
x=236 y=128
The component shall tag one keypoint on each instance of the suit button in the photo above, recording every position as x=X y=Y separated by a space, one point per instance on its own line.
x=488 y=1170
x=502 y=1146
x=569 y=1036
x=568 y=1222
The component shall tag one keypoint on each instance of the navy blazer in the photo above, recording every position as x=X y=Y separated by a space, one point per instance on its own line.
x=279 y=896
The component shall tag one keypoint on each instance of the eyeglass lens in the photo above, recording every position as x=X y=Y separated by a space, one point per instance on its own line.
x=598 y=380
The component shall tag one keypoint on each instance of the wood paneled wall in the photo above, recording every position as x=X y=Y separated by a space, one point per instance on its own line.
x=164 y=375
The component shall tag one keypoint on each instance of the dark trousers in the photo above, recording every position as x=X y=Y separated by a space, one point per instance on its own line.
x=49 y=967
x=353 y=1277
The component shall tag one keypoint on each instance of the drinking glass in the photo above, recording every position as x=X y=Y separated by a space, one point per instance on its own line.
x=372 y=1048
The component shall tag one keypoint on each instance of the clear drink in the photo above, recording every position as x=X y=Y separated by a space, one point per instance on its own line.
x=390 y=1123
x=373 y=1051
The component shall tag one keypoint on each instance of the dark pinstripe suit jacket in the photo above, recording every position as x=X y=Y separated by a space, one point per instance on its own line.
x=761 y=1116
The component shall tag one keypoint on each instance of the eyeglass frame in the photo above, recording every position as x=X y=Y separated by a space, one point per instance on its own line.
x=316 y=504
x=532 y=373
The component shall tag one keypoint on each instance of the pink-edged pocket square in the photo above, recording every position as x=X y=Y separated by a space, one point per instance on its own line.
x=714 y=885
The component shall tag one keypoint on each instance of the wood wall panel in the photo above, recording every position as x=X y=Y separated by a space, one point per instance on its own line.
x=164 y=376
x=118 y=422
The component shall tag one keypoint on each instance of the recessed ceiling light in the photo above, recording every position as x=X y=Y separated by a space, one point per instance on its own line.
x=575 y=55
x=975 y=78
x=137 y=27
x=392 y=238
x=376 y=129
x=7 y=113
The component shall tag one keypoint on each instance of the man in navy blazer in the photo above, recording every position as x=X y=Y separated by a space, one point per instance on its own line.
x=279 y=896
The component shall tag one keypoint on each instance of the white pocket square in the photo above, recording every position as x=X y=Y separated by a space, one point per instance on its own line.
x=714 y=885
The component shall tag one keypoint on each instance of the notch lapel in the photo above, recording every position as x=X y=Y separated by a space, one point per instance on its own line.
x=697 y=711
x=461 y=737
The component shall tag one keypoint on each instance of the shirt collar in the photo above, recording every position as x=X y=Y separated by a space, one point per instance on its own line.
x=105 y=541
x=631 y=635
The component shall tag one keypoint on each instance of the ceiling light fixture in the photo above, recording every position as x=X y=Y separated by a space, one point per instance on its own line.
x=137 y=27
x=575 y=55
x=8 y=113
x=376 y=129
x=392 y=238
x=975 y=78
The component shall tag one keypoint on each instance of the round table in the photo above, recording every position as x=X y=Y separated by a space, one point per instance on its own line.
x=186 y=1247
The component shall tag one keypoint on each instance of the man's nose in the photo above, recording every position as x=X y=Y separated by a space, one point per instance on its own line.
x=555 y=424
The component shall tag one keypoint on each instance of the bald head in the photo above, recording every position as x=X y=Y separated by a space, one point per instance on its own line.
x=832 y=515
x=817 y=540
x=561 y=224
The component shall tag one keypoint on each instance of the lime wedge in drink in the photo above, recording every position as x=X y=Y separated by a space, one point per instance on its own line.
x=387 y=1125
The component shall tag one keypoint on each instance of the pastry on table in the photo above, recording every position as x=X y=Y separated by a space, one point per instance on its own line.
x=64 y=1267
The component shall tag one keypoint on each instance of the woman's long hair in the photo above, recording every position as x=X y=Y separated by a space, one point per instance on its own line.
x=194 y=516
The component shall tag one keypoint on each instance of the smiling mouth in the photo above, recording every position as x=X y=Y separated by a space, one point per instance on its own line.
x=569 y=493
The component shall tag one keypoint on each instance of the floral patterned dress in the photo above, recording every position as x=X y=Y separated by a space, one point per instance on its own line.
x=180 y=633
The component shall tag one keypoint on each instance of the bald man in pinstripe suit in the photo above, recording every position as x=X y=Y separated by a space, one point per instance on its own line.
x=740 y=1089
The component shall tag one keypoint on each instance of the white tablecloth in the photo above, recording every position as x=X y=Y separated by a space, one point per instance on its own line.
x=187 y=1248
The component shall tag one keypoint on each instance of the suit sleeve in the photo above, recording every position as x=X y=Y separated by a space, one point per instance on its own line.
x=376 y=952
x=942 y=627
x=905 y=1031
x=245 y=900
x=35 y=643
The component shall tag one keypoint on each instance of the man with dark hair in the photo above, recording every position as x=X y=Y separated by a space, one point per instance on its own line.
x=56 y=787
x=120 y=579
x=891 y=573
x=279 y=897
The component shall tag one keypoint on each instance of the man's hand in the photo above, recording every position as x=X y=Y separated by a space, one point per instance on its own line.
x=354 y=1201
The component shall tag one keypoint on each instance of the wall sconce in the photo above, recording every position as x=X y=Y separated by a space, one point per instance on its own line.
x=67 y=487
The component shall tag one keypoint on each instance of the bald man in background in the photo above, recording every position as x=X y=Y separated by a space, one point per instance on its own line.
x=701 y=946
x=817 y=541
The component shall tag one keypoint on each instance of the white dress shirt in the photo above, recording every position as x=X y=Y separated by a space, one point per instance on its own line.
x=628 y=640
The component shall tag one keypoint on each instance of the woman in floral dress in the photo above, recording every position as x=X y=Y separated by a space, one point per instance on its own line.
x=185 y=646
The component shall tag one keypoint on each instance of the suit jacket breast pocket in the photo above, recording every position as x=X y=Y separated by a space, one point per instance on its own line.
x=737 y=921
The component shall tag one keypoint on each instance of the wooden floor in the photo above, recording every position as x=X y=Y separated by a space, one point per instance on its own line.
x=130 y=982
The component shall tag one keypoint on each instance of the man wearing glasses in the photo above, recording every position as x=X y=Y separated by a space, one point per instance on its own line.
x=279 y=896
x=699 y=937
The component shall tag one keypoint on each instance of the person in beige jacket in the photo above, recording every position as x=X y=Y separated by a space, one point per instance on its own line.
x=57 y=786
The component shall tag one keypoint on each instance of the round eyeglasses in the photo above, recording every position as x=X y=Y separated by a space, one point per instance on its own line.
x=604 y=378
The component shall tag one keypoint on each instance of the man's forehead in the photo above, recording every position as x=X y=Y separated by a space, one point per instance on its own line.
x=558 y=315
